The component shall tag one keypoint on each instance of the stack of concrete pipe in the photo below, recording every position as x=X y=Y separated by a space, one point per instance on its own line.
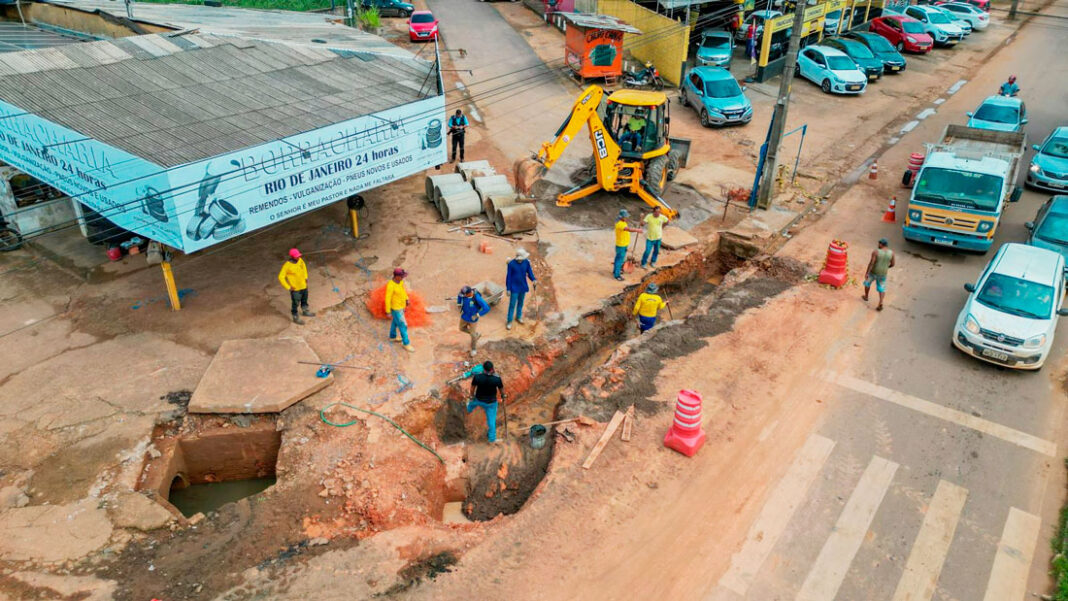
x=491 y=185
x=435 y=182
x=494 y=201
x=472 y=169
x=514 y=218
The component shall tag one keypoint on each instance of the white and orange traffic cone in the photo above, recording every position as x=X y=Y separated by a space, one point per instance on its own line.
x=890 y=216
x=873 y=173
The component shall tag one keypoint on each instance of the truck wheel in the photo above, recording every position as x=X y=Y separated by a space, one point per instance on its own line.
x=656 y=174
x=673 y=166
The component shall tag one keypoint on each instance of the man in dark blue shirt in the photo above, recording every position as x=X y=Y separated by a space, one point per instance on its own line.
x=484 y=387
x=457 y=128
x=515 y=282
x=472 y=306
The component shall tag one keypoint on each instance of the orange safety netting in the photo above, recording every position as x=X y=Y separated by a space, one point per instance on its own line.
x=415 y=314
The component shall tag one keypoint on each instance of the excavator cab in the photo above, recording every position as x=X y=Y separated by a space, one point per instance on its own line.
x=638 y=121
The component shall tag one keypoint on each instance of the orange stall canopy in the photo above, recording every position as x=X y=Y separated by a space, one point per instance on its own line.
x=595 y=45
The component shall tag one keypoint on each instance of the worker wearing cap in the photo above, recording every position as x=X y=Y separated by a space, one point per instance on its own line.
x=515 y=282
x=396 y=303
x=484 y=387
x=472 y=306
x=294 y=278
x=623 y=231
x=647 y=306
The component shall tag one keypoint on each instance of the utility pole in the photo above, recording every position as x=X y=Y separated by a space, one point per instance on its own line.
x=778 y=125
x=350 y=13
x=1012 y=10
x=129 y=10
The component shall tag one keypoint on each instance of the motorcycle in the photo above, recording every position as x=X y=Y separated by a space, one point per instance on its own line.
x=647 y=77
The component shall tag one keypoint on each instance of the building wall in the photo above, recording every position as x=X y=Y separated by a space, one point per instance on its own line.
x=664 y=41
x=72 y=19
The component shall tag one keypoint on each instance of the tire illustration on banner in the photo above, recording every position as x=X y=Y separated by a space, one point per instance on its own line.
x=433 y=136
x=213 y=217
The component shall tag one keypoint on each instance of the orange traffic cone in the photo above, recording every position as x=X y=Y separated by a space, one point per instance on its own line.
x=874 y=172
x=890 y=216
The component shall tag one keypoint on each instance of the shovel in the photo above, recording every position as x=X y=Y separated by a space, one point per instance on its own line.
x=630 y=264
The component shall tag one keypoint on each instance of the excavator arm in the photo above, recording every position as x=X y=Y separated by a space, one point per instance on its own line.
x=606 y=151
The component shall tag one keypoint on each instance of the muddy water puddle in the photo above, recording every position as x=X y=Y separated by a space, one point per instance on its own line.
x=209 y=496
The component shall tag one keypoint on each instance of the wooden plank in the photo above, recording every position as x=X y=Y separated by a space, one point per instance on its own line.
x=609 y=430
x=628 y=425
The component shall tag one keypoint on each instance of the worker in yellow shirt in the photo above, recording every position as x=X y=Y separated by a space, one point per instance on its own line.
x=623 y=231
x=396 y=303
x=294 y=278
x=647 y=306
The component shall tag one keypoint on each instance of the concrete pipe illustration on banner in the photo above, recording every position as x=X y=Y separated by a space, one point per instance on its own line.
x=433 y=137
x=152 y=204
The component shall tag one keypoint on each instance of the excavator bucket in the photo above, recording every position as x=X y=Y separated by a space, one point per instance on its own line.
x=527 y=172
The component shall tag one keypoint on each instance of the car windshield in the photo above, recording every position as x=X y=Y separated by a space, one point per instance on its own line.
x=912 y=27
x=1054 y=229
x=840 y=63
x=949 y=187
x=858 y=50
x=879 y=44
x=997 y=113
x=722 y=88
x=1056 y=147
x=423 y=18
x=1016 y=297
x=939 y=18
x=715 y=42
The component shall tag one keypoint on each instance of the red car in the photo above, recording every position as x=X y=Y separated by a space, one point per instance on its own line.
x=905 y=33
x=422 y=26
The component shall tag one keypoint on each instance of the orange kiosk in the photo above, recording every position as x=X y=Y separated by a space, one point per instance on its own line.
x=594 y=45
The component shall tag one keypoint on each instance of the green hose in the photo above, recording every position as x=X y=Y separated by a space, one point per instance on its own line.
x=322 y=416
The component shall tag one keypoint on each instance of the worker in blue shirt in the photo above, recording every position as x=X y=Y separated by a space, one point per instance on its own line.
x=457 y=128
x=516 y=283
x=472 y=306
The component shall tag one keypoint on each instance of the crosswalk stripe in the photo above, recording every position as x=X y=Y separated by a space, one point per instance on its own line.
x=841 y=547
x=1012 y=563
x=780 y=506
x=932 y=543
x=1023 y=439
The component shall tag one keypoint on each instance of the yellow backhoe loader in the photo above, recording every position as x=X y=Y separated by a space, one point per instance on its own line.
x=631 y=147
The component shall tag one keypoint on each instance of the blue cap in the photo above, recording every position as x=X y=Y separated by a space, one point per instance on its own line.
x=623 y=213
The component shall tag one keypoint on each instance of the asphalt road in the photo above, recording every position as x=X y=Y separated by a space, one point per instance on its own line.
x=930 y=478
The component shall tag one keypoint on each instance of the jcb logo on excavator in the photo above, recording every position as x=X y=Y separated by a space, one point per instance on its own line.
x=602 y=149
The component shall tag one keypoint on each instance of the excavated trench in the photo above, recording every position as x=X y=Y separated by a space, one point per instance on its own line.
x=502 y=478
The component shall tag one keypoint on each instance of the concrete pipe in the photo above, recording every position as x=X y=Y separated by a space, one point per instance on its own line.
x=468 y=169
x=516 y=218
x=486 y=182
x=497 y=201
x=435 y=181
x=459 y=205
x=496 y=190
x=450 y=188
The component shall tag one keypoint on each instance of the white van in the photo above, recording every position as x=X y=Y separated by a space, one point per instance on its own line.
x=1011 y=315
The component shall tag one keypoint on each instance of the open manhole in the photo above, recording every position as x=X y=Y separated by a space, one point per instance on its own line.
x=200 y=472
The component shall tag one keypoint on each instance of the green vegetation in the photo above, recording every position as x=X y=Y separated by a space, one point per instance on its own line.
x=296 y=5
x=369 y=17
x=1059 y=563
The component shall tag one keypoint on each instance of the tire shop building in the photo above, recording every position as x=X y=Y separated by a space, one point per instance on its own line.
x=190 y=139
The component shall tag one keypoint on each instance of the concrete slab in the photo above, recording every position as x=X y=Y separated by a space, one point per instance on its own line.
x=258 y=376
x=675 y=238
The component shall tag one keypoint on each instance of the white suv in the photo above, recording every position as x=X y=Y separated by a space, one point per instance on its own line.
x=1011 y=315
x=937 y=24
x=966 y=12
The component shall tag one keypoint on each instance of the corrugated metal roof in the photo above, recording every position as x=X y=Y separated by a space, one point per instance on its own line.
x=592 y=21
x=173 y=104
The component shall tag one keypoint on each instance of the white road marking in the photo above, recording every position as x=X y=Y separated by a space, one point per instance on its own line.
x=827 y=573
x=925 y=113
x=893 y=140
x=783 y=501
x=1016 y=437
x=1012 y=564
x=474 y=113
x=956 y=87
x=932 y=543
x=939 y=101
x=911 y=125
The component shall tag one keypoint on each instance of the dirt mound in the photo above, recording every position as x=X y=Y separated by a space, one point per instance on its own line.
x=415 y=314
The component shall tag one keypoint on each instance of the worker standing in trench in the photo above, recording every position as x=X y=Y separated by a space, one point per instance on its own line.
x=647 y=307
x=484 y=387
x=294 y=278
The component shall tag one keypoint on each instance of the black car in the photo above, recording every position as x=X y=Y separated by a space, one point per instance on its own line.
x=883 y=50
x=390 y=7
x=865 y=60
